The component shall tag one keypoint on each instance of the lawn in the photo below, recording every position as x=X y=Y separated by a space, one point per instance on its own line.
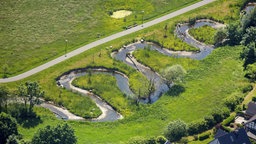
x=203 y=34
x=207 y=83
x=33 y=32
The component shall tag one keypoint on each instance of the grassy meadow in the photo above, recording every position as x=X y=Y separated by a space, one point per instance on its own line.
x=207 y=83
x=34 y=32
x=204 y=34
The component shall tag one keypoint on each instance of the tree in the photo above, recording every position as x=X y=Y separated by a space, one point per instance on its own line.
x=12 y=139
x=176 y=130
x=234 y=34
x=249 y=20
x=220 y=36
x=249 y=36
x=61 y=134
x=251 y=72
x=165 y=30
x=3 y=98
x=249 y=54
x=30 y=92
x=173 y=74
x=8 y=126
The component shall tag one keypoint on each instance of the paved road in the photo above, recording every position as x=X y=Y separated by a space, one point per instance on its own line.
x=104 y=40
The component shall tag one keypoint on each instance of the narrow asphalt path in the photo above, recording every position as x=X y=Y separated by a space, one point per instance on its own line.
x=104 y=40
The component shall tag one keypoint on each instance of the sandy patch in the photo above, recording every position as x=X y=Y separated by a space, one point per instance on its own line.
x=121 y=14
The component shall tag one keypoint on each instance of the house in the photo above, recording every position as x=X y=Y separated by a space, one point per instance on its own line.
x=238 y=136
x=220 y=133
x=251 y=110
x=250 y=127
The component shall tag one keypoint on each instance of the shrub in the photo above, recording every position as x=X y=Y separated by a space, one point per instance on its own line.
x=184 y=140
x=204 y=136
x=191 y=21
x=161 y=139
x=63 y=134
x=254 y=98
x=247 y=88
x=233 y=100
x=209 y=121
x=219 y=114
x=226 y=128
x=197 y=127
x=228 y=120
x=8 y=126
x=176 y=130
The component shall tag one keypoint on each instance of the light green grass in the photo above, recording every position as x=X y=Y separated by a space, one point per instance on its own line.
x=34 y=32
x=206 y=86
x=105 y=86
x=204 y=34
x=222 y=69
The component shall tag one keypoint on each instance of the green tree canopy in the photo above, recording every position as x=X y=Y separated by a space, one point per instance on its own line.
x=30 y=92
x=61 y=134
x=173 y=74
x=3 y=98
x=219 y=36
x=249 y=54
x=8 y=126
x=176 y=130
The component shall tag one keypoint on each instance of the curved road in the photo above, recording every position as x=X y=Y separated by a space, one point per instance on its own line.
x=104 y=40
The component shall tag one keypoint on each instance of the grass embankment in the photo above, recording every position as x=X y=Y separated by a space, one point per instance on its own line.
x=148 y=120
x=204 y=34
x=105 y=86
x=34 y=32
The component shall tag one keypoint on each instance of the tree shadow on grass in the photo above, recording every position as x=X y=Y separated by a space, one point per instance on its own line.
x=176 y=90
x=29 y=121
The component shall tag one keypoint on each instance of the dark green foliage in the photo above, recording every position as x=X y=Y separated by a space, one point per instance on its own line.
x=219 y=36
x=176 y=90
x=204 y=136
x=209 y=121
x=219 y=114
x=249 y=36
x=249 y=20
x=233 y=100
x=61 y=134
x=8 y=126
x=254 y=99
x=234 y=34
x=197 y=127
x=191 y=21
x=176 y=130
x=247 y=88
x=249 y=54
x=183 y=140
x=3 y=98
x=12 y=139
x=30 y=92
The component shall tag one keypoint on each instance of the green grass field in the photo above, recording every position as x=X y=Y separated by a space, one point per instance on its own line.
x=203 y=34
x=34 y=32
x=207 y=83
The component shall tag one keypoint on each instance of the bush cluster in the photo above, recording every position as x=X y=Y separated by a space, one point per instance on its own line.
x=204 y=136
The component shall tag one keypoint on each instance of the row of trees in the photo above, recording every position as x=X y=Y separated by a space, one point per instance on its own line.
x=60 y=134
x=178 y=129
x=27 y=94
x=19 y=105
